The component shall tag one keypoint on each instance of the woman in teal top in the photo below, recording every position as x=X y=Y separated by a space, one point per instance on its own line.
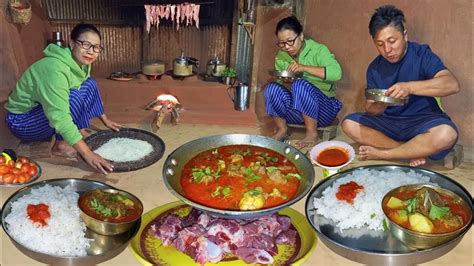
x=56 y=96
x=309 y=100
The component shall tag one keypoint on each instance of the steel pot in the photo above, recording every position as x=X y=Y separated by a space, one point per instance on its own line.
x=153 y=68
x=183 y=65
x=215 y=67
x=176 y=161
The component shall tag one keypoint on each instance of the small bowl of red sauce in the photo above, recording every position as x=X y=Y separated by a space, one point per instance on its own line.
x=332 y=155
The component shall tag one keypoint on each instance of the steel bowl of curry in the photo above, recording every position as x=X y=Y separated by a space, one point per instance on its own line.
x=109 y=211
x=238 y=176
x=424 y=216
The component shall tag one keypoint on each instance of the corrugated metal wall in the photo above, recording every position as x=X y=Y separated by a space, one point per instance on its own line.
x=122 y=47
x=126 y=43
x=166 y=43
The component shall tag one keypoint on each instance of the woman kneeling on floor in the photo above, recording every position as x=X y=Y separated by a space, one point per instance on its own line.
x=56 y=96
x=309 y=100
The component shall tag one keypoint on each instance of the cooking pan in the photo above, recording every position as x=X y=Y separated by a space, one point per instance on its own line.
x=176 y=161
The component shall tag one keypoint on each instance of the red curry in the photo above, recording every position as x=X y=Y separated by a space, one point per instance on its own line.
x=333 y=156
x=456 y=213
x=240 y=177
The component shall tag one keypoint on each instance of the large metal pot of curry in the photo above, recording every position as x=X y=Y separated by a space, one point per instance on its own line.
x=238 y=176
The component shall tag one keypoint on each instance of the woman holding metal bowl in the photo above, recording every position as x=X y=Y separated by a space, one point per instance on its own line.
x=311 y=99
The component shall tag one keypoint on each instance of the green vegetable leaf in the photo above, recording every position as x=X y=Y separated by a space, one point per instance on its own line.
x=271 y=169
x=294 y=175
x=411 y=205
x=226 y=191
x=372 y=216
x=384 y=225
x=247 y=152
x=216 y=192
x=207 y=171
x=438 y=212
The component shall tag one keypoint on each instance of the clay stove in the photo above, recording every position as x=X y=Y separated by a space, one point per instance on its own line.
x=164 y=104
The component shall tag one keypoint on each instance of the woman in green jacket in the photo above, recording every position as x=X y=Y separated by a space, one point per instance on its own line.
x=56 y=96
x=311 y=99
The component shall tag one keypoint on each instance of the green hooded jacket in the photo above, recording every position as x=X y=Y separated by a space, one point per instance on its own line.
x=48 y=82
x=314 y=54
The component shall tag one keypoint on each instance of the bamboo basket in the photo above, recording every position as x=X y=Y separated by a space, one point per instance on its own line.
x=20 y=11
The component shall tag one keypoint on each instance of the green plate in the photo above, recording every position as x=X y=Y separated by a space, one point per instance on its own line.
x=155 y=253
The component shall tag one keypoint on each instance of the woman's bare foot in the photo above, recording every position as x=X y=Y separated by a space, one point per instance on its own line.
x=417 y=162
x=309 y=140
x=280 y=134
x=371 y=153
x=63 y=149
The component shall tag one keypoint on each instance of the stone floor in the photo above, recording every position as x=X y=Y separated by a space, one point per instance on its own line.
x=148 y=185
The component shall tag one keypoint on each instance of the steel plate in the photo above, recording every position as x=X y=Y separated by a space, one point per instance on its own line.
x=378 y=95
x=98 y=139
x=103 y=248
x=285 y=74
x=378 y=247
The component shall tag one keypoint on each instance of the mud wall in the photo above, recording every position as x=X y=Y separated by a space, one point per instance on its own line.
x=342 y=25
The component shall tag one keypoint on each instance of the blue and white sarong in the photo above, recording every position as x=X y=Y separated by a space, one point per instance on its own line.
x=85 y=103
x=302 y=99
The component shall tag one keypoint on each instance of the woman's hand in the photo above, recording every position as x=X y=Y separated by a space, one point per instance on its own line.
x=93 y=159
x=98 y=163
x=295 y=67
x=110 y=124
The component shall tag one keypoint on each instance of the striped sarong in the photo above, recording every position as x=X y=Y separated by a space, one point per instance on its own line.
x=85 y=103
x=302 y=98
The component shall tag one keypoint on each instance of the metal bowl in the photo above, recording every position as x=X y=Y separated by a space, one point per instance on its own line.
x=379 y=248
x=422 y=240
x=286 y=74
x=176 y=161
x=31 y=180
x=103 y=248
x=109 y=228
x=378 y=95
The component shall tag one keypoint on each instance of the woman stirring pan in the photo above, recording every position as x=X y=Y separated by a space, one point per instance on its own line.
x=56 y=96
x=310 y=100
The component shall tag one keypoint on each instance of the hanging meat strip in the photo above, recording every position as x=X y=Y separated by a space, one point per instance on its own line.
x=148 y=18
x=162 y=11
x=154 y=15
x=178 y=14
x=173 y=8
x=196 y=14
x=167 y=11
x=183 y=12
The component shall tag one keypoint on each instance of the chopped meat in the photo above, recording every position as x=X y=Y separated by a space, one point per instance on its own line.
x=187 y=236
x=206 y=251
x=253 y=255
x=286 y=237
x=276 y=176
x=167 y=229
x=236 y=158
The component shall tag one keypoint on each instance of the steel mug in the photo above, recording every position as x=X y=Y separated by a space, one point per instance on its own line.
x=241 y=96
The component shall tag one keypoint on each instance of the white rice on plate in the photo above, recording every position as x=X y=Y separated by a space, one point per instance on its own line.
x=366 y=210
x=124 y=149
x=65 y=233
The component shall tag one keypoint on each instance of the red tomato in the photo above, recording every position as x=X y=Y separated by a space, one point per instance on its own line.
x=25 y=168
x=22 y=159
x=33 y=170
x=16 y=171
x=8 y=178
x=4 y=169
x=2 y=159
x=11 y=163
x=22 y=178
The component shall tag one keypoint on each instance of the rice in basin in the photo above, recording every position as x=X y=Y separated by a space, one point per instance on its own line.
x=124 y=150
x=366 y=210
x=64 y=234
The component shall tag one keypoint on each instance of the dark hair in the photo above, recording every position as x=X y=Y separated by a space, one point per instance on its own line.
x=289 y=23
x=82 y=28
x=384 y=16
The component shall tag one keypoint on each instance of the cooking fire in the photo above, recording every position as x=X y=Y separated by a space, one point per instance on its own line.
x=163 y=104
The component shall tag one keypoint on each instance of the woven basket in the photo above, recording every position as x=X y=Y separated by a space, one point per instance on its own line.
x=21 y=12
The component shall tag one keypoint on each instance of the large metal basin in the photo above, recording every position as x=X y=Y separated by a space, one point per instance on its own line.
x=176 y=161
